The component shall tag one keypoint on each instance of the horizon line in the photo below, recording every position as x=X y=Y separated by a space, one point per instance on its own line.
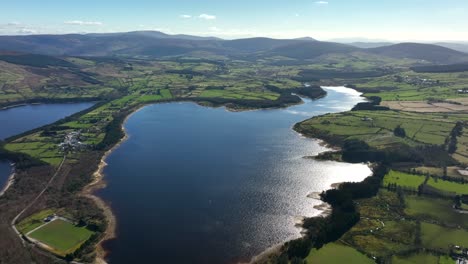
x=357 y=39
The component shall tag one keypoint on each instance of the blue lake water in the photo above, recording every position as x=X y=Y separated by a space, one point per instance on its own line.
x=20 y=119
x=16 y=120
x=203 y=185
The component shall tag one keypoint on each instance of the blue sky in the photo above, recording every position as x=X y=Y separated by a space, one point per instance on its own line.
x=423 y=20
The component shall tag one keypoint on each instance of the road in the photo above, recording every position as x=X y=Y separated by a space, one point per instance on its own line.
x=13 y=222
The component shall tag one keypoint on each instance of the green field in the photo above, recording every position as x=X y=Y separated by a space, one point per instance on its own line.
x=381 y=230
x=239 y=94
x=451 y=171
x=389 y=227
x=389 y=223
x=336 y=253
x=420 y=128
x=62 y=236
x=403 y=179
x=437 y=237
x=416 y=259
x=433 y=209
x=445 y=260
x=33 y=221
x=390 y=89
x=448 y=186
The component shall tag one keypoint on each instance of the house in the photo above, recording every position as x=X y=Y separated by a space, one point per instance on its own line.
x=72 y=142
x=49 y=218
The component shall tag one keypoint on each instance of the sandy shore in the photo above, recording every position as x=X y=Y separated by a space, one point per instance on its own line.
x=9 y=182
x=265 y=255
x=12 y=106
x=99 y=183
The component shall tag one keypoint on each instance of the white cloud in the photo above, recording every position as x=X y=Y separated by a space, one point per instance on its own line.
x=228 y=33
x=16 y=28
x=83 y=23
x=321 y=3
x=207 y=17
x=185 y=16
x=26 y=31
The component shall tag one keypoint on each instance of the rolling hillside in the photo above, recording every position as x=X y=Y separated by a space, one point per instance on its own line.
x=157 y=44
x=310 y=50
x=424 y=52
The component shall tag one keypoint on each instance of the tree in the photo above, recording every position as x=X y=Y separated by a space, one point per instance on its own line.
x=399 y=132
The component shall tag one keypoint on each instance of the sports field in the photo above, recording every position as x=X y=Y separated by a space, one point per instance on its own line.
x=62 y=236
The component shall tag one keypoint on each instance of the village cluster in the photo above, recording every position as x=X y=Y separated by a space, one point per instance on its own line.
x=72 y=142
x=415 y=80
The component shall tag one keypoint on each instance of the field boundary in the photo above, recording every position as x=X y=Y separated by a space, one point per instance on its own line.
x=15 y=219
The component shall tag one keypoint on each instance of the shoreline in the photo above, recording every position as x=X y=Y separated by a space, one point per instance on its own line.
x=99 y=183
x=275 y=250
x=324 y=207
x=6 y=106
x=9 y=182
x=12 y=106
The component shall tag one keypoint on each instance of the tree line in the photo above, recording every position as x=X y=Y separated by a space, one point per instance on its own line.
x=344 y=215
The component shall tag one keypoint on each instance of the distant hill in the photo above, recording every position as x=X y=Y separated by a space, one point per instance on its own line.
x=311 y=49
x=368 y=45
x=153 y=34
x=158 y=44
x=260 y=44
x=34 y=60
x=151 y=43
x=461 y=67
x=306 y=38
x=105 y=44
x=425 y=52
x=463 y=47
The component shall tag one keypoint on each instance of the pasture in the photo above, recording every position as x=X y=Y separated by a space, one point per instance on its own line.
x=336 y=253
x=402 y=179
x=425 y=107
x=441 y=238
x=447 y=186
x=390 y=88
x=61 y=236
x=33 y=221
x=435 y=210
x=416 y=259
x=377 y=130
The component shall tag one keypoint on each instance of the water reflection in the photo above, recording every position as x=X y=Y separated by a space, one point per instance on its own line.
x=203 y=185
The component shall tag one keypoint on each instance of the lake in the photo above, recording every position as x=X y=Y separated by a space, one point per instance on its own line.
x=203 y=185
x=20 y=119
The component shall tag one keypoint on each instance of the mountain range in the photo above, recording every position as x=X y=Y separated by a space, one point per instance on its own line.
x=156 y=44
